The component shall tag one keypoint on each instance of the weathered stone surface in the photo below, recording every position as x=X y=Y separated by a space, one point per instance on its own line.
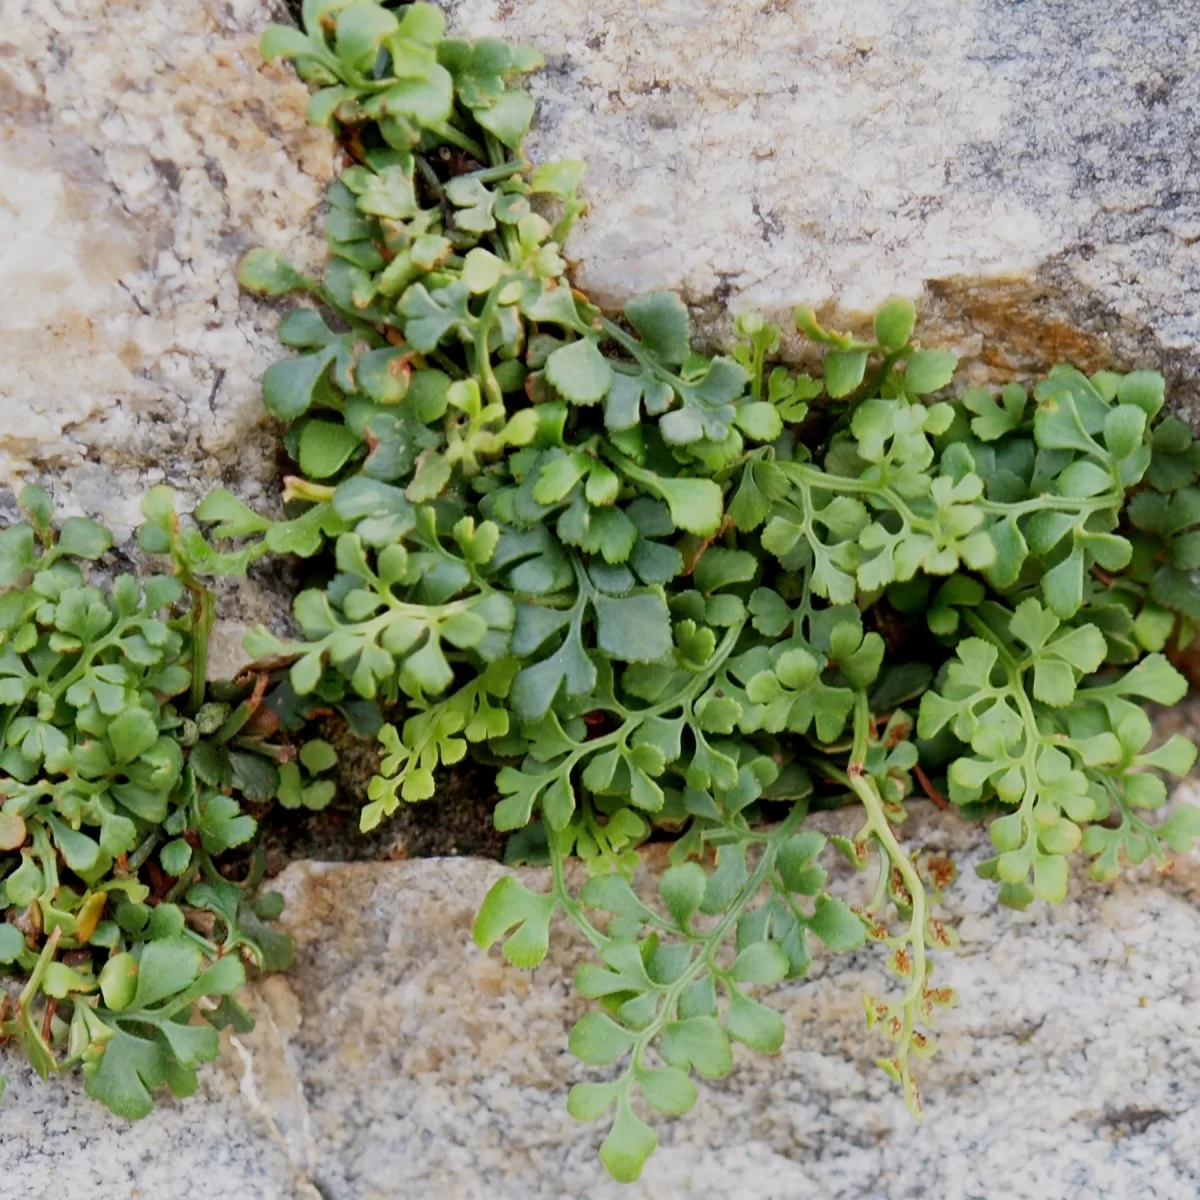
x=1026 y=171
x=148 y=149
x=55 y=1144
x=396 y=1060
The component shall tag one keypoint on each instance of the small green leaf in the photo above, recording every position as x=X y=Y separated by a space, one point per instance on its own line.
x=561 y=177
x=558 y=476
x=1124 y=428
x=597 y=1039
x=613 y=893
x=929 y=371
x=668 y=1089
x=383 y=514
x=1145 y=389
x=509 y=117
x=25 y=884
x=682 y=889
x=629 y=1144
x=760 y=962
x=12 y=943
x=60 y=981
x=759 y=420
x=661 y=320
x=695 y=504
x=428 y=100
x=719 y=567
x=17 y=554
x=268 y=274
x=326 y=447
x=510 y=905
x=589 y=1101
x=579 y=371
x=166 y=967
x=836 y=924
x=84 y=538
x=176 y=857
x=126 y=1073
x=318 y=756
x=1062 y=585
x=844 y=370
x=286 y=40
x=118 y=981
x=361 y=28
x=633 y=628
x=289 y=385
x=699 y=1043
x=756 y=1025
x=132 y=734
x=233 y=518
x=384 y=375
x=894 y=324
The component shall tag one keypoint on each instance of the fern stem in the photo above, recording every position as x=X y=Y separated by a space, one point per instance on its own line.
x=483 y=358
x=1034 y=737
x=570 y=905
x=712 y=941
x=879 y=827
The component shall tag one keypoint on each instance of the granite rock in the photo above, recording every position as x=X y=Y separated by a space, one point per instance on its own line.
x=1025 y=171
x=146 y=148
x=396 y=1059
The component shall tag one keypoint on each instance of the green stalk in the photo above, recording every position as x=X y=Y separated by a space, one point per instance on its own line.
x=498 y=157
x=204 y=617
x=447 y=364
x=143 y=851
x=88 y=656
x=879 y=827
x=456 y=137
x=499 y=171
x=483 y=356
x=39 y=1052
x=871 y=388
x=711 y=942
x=1033 y=735
x=570 y=905
x=633 y=348
x=821 y=480
x=182 y=884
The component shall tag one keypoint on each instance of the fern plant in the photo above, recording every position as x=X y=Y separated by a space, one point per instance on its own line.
x=124 y=784
x=651 y=586
x=664 y=593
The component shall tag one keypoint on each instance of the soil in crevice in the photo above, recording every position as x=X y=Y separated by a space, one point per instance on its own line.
x=456 y=821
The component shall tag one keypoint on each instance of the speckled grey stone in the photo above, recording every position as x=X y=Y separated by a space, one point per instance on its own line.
x=148 y=148
x=1025 y=170
x=54 y=1144
x=396 y=1062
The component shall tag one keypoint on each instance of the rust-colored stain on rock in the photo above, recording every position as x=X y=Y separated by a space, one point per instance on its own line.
x=1021 y=323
